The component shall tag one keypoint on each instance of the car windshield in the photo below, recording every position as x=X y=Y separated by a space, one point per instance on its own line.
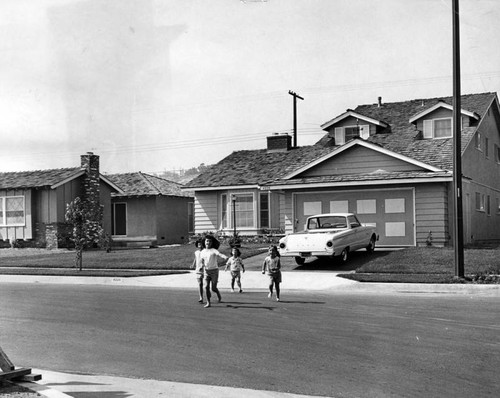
x=327 y=222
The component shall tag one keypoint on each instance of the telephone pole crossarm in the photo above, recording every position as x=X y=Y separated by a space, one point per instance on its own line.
x=295 y=96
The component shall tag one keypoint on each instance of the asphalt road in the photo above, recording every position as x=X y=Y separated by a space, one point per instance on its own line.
x=328 y=344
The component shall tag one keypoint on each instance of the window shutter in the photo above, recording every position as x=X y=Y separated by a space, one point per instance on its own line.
x=428 y=125
x=339 y=136
x=365 y=131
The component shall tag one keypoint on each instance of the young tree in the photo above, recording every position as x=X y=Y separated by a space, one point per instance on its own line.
x=87 y=230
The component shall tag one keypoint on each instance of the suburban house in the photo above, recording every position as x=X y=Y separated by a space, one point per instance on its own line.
x=390 y=163
x=149 y=211
x=33 y=203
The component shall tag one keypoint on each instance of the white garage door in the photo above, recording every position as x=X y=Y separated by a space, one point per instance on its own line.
x=391 y=211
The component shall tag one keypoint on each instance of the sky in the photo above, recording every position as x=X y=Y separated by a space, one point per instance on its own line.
x=162 y=85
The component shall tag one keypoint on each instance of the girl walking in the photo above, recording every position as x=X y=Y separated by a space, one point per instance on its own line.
x=235 y=265
x=272 y=265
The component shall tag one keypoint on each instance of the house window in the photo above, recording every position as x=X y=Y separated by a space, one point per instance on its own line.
x=244 y=210
x=224 y=223
x=344 y=134
x=12 y=211
x=477 y=141
x=479 y=201
x=191 y=217
x=437 y=128
x=119 y=217
x=486 y=147
x=497 y=153
x=264 y=210
x=488 y=205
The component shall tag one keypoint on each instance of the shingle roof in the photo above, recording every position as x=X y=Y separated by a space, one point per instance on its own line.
x=142 y=184
x=260 y=167
x=402 y=137
x=256 y=167
x=37 y=178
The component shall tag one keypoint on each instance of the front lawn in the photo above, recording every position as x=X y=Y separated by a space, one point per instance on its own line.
x=429 y=265
x=412 y=265
x=136 y=262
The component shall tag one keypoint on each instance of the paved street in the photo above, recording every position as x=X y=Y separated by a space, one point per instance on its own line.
x=337 y=343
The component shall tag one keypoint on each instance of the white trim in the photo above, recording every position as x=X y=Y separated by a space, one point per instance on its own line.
x=441 y=104
x=366 y=145
x=3 y=207
x=82 y=172
x=358 y=183
x=70 y=178
x=107 y=181
x=220 y=188
x=350 y=112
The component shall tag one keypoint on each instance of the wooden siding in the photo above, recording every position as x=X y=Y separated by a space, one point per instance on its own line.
x=205 y=212
x=358 y=160
x=431 y=213
x=19 y=232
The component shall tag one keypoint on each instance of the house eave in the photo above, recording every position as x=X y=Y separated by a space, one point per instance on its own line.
x=367 y=145
x=349 y=113
x=221 y=187
x=441 y=104
x=358 y=183
x=68 y=179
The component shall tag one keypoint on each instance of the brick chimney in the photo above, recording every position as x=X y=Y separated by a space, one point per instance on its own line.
x=90 y=163
x=279 y=142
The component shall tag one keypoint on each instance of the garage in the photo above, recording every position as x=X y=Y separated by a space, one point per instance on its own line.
x=391 y=211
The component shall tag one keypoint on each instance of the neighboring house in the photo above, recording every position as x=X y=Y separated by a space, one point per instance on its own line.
x=150 y=211
x=390 y=163
x=33 y=203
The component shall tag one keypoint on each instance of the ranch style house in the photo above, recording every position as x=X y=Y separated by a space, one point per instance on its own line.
x=390 y=163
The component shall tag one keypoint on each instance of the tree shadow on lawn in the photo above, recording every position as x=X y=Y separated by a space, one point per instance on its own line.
x=355 y=261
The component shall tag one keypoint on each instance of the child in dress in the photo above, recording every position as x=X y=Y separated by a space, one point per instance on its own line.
x=209 y=257
x=272 y=265
x=198 y=267
x=235 y=265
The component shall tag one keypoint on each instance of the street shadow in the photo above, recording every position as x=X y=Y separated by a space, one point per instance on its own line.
x=301 y=302
x=244 y=306
x=356 y=260
x=101 y=394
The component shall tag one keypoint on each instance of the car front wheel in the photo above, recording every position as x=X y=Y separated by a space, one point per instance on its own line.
x=300 y=260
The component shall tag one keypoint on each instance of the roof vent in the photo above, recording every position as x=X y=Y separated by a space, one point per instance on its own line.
x=379 y=102
x=279 y=142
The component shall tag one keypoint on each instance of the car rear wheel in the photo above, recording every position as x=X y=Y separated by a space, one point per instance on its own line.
x=344 y=256
x=371 y=246
x=300 y=260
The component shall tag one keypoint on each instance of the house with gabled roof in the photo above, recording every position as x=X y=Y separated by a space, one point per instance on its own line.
x=149 y=211
x=33 y=203
x=390 y=163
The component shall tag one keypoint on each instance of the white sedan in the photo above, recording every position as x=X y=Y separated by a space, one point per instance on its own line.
x=328 y=235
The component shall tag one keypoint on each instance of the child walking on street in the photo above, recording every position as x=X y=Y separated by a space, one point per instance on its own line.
x=235 y=265
x=198 y=267
x=272 y=265
x=209 y=260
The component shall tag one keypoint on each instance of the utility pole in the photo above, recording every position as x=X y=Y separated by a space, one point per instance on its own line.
x=295 y=96
x=458 y=235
